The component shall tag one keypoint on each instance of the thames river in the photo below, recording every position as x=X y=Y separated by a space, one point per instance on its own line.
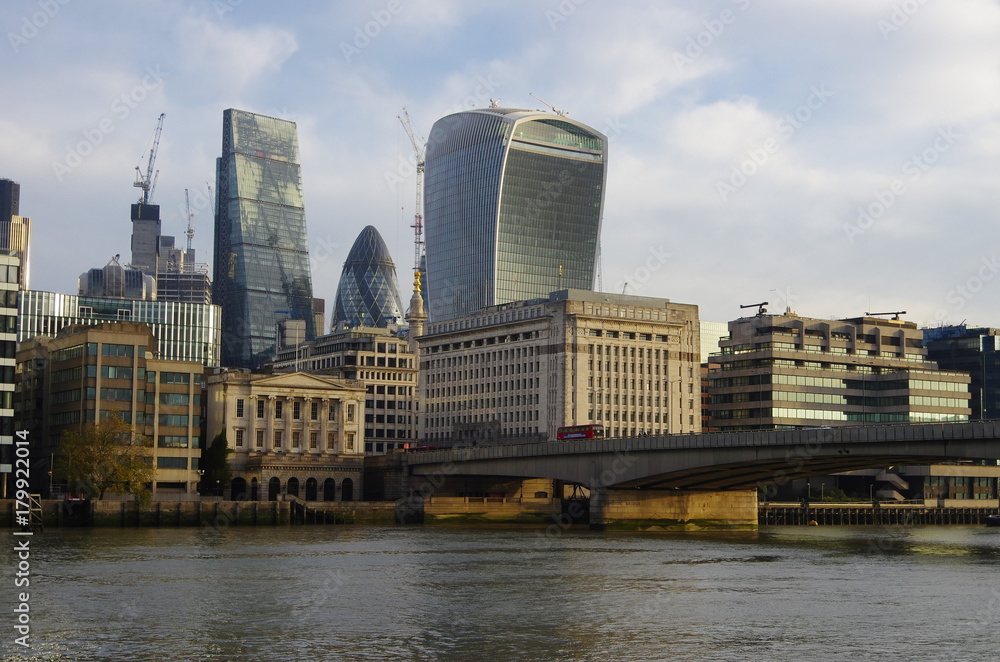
x=489 y=594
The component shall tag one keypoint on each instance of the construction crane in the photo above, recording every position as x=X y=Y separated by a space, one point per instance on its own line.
x=560 y=113
x=146 y=183
x=190 y=229
x=759 y=306
x=419 y=150
x=895 y=314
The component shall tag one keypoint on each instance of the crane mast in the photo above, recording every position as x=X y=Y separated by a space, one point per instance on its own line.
x=190 y=229
x=146 y=183
x=419 y=150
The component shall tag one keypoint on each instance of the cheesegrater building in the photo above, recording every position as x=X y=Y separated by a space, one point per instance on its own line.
x=261 y=249
x=513 y=206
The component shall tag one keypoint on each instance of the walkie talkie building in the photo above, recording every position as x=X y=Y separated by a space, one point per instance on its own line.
x=512 y=208
x=261 y=248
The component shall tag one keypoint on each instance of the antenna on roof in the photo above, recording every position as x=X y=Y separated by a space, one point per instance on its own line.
x=561 y=113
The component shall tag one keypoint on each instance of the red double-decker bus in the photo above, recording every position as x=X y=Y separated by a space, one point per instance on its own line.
x=570 y=432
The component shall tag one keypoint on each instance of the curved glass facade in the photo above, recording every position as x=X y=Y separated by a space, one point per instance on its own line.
x=261 y=248
x=368 y=293
x=512 y=211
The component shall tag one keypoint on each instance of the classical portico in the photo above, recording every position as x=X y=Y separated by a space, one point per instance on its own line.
x=294 y=434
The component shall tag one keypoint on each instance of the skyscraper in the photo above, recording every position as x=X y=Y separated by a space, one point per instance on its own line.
x=513 y=205
x=15 y=230
x=368 y=293
x=261 y=248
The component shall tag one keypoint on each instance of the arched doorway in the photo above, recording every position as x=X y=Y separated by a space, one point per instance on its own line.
x=311 y=489
x=238 y=489
x=253 y=489
x=293 y=487
x=273 y=489
x=329 y=490
x=347 y=490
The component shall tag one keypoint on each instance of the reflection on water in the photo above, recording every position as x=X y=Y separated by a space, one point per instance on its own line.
x=435 y=593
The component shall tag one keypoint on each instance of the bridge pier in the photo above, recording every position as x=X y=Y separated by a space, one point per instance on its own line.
x=687 y=510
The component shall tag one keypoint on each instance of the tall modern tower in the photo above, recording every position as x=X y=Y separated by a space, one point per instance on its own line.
x=513 y=206
x=368 y=293
x=15 y=230
x=261 y=248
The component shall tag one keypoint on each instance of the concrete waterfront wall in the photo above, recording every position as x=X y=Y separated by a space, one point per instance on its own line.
x=205 y=513
x=674 y=510
x=489 y=509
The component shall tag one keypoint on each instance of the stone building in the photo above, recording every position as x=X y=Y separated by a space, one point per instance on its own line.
x=294 y=434
x=518 y=371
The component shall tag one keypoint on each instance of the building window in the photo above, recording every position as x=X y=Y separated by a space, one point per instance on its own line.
x=296 y=439
x=278 y=408
x=332 y=413
x=239 y=437
x=330 y=444
x=350 y=413
x=239 y=408
x=296 y=410
x=260 y=409
x=313 y=440
x=350 y=438
x=314 y=411
x=260 y=439
x=277 y=438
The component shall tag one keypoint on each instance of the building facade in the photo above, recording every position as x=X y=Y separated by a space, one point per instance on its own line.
x=368 y=293
x=10 y=278
x=378 y=358
x=86 y=373
x=975 y=350
x=290 y=434
x=261 y=249
x=513 y=203
x=15 y=230
x=118 y=282
x=184 y=331
x=519 y=371
x=781 y=371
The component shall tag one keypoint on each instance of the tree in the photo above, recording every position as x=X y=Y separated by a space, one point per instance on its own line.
x=215 y=464
x=108 y=455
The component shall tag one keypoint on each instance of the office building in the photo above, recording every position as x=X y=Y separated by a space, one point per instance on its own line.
x=518 y=371
x=380 y=359
x=261 y=249
x=10 y=277
x=15 y=230
x=975 y=350
x=783 y=371
x=290 y=434
x=86 y=373
x=145 y=237
x=184 y=331
x=368 y=293
x=513 y=206
x=114 y=281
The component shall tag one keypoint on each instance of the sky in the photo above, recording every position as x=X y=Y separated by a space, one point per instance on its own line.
x=832 y=158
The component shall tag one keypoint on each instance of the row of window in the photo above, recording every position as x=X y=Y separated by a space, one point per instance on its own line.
x=278 y=439
x=297 y=410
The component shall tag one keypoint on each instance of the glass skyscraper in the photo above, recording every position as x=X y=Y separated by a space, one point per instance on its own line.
x=513 y=206
x=368 y=293
x=261 y=248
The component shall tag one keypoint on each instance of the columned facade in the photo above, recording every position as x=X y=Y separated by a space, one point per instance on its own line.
x=291 y=434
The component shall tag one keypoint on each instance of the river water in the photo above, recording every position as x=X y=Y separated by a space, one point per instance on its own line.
x=485 y=594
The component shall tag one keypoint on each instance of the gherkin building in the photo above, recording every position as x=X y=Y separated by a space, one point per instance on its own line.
x=368 y=293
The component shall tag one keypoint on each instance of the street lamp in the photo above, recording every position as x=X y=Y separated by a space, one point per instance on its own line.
x=201 y=473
